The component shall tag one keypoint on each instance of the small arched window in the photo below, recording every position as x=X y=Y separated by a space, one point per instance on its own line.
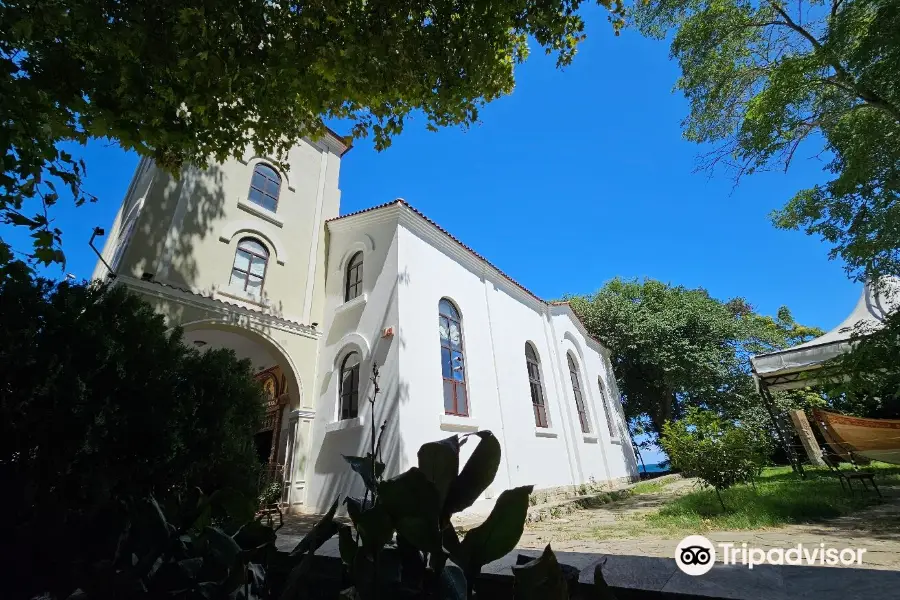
x=607 y=408
x=579 y=398
x=349 y=392
x=265 y=185
x=453 y=362
x=537 y=389
x=353 y=283
x=122 y=243
x=249 y=269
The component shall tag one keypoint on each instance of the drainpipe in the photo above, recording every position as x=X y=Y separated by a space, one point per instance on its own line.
x=487 y=302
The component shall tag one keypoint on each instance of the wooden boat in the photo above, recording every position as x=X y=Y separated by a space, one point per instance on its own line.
x=875 y=439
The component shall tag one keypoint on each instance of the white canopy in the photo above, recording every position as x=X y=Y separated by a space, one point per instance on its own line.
x=795 y=367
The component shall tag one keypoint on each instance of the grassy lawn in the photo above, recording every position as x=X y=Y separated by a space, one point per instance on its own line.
x=780 y=498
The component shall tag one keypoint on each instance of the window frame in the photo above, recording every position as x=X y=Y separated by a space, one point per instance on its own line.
x=455 y=384
x=536 y=387
x=259 y=168
x=578 y=393
x=607 y=408
x=352 y=394
x=357 y=270
x=248 y=273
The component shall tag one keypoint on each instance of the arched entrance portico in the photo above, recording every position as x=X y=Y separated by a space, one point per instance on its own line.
x=274 y=369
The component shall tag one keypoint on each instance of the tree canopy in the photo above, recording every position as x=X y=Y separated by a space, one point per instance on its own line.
x=192 y=82
x=674 y=347
x=763 y=76
x=99 y=406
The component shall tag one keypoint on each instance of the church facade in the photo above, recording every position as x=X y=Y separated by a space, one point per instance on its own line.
x=245 y=256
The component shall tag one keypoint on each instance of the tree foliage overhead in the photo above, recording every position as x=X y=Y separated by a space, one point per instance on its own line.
x=192 y=82
x=762 y=76
x=674 y=347
x=99 y=406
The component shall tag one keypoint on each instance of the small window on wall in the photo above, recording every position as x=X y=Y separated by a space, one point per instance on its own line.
x=607 y=408
x=537 y=389
x=265 y=186
x=349 y=392
x=249 y=270
x=122 y=243
x=579 y=398
x=453 y=362
x=353 y=284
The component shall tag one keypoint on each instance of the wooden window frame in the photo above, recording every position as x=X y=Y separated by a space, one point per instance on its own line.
x=248 y=273
x=353 y=280
x=456 y=384
x=348 y=399
x=261 y=169
x=538 y=398
x=579 y=395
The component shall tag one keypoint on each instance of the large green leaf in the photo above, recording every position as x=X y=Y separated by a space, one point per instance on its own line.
x=364 y=466
x=601 y=590
x=347 y=544
x=540 y=579
x=221 y=546
x=476 y=476
x=412 y=502
x=440 y=463
x=499 y=533
x=323 y=531
x=254 y=535
x=237 y=506
x=373 y=524
x=452 y=583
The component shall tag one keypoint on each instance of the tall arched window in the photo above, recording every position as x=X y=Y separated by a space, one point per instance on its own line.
x=249 y=269
x=353 y=283
x=453 y=362
x=349 y=392
x=579 y=399
x=607 y=408
x=265 y=185
x=537 y=389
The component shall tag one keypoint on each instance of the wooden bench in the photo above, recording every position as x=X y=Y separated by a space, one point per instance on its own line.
x=851 y=475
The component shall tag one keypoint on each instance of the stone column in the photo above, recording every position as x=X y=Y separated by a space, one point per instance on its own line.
x=805 y=432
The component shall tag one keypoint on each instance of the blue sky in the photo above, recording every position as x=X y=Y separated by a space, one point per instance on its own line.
x=579 y=176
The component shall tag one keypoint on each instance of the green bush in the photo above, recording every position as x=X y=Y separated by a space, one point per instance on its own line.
x=99 y=406
x=719 y=452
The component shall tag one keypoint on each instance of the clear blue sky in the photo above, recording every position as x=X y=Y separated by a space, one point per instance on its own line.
x=578 y=176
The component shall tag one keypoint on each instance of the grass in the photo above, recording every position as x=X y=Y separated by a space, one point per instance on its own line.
x=780 y=498
x=648 y=487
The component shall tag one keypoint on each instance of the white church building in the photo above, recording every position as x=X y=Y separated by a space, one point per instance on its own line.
x=246 y=256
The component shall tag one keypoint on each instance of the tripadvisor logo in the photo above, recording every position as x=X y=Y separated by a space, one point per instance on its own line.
x=696 y=555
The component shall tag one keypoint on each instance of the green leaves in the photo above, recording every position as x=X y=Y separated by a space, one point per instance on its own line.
x=439 y=462
x=476 y=476
x=321 y=532
x=411 y=500
x=364 y=467
x=499 y=533
x=540 y=579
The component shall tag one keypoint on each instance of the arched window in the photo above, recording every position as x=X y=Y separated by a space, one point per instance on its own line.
x=122 y=243
x=537 y=389
x=353 y=284
x=349 y=392
x=265 y=186
x=249 y=270
x=579 y=399
x=453 y=362
x=607 y=408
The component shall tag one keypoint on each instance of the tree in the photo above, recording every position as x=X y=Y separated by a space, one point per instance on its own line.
x=100 y=406
x=717 y=451
x=192 y=82
x=674 y=347
x=866 y=380
x=763 y=76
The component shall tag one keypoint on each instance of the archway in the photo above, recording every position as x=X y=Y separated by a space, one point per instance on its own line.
x=273 y=368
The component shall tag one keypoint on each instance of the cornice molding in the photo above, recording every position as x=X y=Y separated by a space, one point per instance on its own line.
x=565 y=309
x=350 y=222
x=199 y=300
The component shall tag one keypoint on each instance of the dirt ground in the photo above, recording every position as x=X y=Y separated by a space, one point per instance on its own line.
x=616 y=528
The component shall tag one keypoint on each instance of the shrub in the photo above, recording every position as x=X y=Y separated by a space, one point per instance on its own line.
x=100 y=405
x=719 y=452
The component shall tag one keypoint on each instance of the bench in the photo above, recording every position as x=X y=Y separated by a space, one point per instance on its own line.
x=849 y=476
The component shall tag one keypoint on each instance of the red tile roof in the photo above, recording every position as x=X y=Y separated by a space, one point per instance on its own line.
x=402 y=202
